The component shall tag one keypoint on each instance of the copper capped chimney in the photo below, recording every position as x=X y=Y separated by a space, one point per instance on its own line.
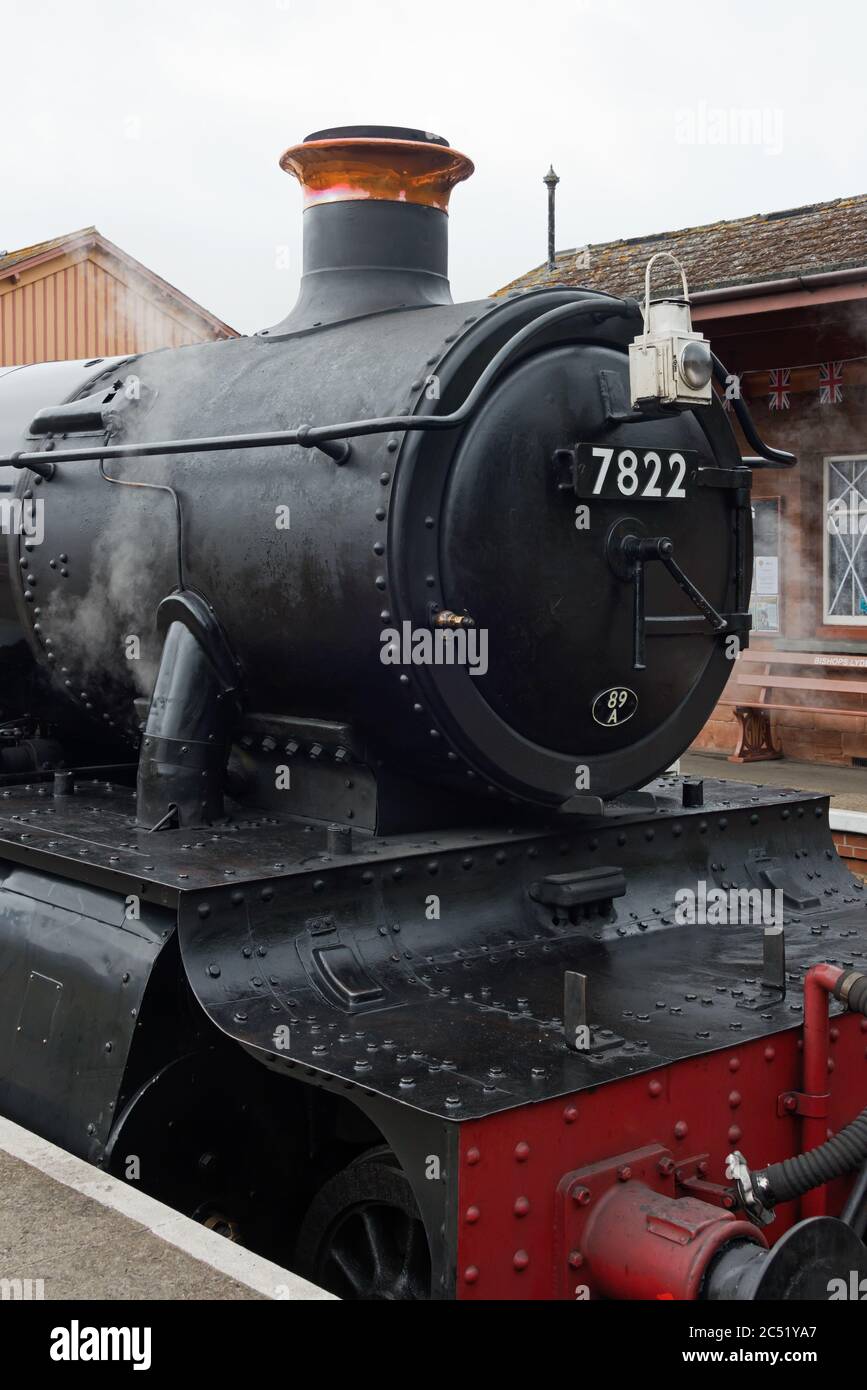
x=375 y=221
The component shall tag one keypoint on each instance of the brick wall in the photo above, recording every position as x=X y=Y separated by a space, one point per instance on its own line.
x=812 y=738
x=852 y=847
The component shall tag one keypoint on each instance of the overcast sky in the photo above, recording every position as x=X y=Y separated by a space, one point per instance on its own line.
x=161 y=122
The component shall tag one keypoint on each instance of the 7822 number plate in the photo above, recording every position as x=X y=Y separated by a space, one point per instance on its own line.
x=645 y=475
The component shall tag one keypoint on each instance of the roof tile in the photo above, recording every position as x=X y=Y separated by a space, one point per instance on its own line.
x=765 y=246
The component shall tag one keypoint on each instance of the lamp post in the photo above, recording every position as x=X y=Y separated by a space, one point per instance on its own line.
x=551 y=180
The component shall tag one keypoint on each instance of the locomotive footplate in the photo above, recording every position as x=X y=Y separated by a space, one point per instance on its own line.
x=432 y=971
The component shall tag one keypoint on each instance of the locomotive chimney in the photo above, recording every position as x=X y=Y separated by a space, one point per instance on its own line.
x=375 y=221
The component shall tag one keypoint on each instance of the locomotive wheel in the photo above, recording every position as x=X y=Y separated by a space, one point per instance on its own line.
x=363 y=1237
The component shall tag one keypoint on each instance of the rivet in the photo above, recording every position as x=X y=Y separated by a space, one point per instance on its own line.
x=473 y=1156
x=520 y=1259
x=522 y=1151
x=522 y=1206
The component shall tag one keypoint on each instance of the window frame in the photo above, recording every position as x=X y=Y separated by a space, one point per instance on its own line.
x=777 y=502
x=835 y=619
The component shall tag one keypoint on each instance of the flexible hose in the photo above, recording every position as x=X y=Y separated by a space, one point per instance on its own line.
x=855 y=1211
x=841 y=1154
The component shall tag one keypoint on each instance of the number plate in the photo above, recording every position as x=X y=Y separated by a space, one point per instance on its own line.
x=612 y=707
x=643 y=475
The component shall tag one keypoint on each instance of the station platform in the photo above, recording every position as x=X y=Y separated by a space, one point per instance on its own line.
x=68 y=1231
x=846 y=786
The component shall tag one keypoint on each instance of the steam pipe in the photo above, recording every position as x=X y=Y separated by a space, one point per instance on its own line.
x=818 y=984
x=182 y=763
x=309 y=437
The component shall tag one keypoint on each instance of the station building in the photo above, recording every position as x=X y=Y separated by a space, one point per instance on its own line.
x=80 y=296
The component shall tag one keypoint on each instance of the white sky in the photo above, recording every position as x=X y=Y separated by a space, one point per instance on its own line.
x=161 y=122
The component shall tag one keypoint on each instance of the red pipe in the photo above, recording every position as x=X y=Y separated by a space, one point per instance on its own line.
x=819 y=984
x=639 y=1243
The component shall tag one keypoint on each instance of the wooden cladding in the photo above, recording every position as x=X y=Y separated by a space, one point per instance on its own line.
x=82 y=304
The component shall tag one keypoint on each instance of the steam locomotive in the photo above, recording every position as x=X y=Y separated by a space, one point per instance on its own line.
x=341 y=873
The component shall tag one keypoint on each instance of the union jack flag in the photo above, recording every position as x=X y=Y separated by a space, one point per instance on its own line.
x=779 y=383
x=830 y=383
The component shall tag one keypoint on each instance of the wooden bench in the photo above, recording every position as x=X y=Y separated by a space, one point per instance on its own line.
x=755 y=671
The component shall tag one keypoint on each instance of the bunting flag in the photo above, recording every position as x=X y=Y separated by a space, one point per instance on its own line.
x=830 y=383
x=779 y=378
x=799 y=381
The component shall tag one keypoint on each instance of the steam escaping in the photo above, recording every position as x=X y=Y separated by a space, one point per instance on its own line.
x=107 y=641
x=92 y=633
